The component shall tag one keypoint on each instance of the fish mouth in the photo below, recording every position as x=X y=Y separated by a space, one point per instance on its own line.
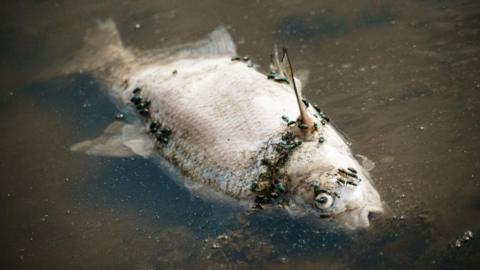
x=370 y=213
x=361 y=218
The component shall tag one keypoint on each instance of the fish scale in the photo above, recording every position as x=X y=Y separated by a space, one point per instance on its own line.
x=222 y=130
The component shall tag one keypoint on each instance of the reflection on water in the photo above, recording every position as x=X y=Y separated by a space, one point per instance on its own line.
x=400 y=78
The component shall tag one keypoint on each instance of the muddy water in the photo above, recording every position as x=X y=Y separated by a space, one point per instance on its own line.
x=400 y=78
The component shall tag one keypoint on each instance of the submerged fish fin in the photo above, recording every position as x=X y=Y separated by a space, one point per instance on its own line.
x=367 y=164
x=118 y=140
x=305 y=118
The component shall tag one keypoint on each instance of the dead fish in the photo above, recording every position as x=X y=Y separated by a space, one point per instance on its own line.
x=226 y=125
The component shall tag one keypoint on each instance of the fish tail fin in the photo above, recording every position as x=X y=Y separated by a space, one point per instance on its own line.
x=102 y=50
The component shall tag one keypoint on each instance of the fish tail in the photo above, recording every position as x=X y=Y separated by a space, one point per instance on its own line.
x=101 y=53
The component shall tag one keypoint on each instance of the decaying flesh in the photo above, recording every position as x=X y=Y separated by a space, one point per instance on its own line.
x=226 y=127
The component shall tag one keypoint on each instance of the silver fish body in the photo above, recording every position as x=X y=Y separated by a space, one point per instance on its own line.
x=225 y=126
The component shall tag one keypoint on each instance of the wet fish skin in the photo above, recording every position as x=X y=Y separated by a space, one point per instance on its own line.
x=224 y=116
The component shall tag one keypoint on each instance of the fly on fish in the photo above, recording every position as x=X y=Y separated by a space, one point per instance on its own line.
x=225 y=130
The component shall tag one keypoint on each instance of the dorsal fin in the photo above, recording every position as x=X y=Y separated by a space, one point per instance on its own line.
x=304 y=117
x=218 y=43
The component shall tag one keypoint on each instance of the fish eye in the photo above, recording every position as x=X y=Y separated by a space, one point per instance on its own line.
x=323 y=201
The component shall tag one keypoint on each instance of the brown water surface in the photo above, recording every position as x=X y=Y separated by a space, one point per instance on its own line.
x=400 y=78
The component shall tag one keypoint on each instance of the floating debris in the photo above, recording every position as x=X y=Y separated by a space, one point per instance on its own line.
x=244 y=242
x=236 y=58
x=223 y=237
x=460 y=242
x=174 y=72
x=119 y=116
x=285 y=118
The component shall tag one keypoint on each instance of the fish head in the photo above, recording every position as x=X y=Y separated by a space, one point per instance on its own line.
x=331 y=185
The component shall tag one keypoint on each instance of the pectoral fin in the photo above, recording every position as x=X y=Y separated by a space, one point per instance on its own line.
x=367 y=164
x=118 y=140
